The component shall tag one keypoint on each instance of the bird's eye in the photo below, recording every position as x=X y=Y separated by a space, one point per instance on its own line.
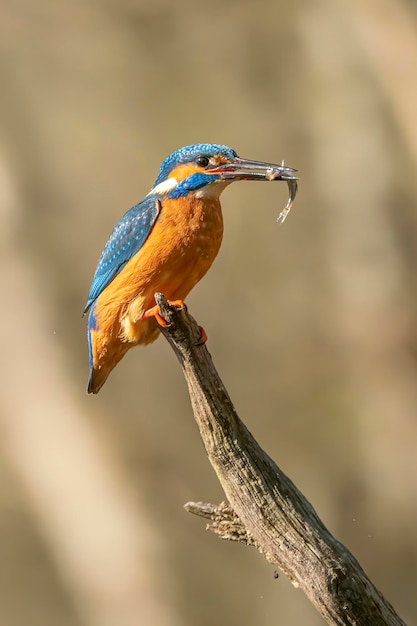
x=202 y=161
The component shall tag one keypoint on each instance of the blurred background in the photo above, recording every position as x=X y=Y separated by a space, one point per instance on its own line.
x=94 y=95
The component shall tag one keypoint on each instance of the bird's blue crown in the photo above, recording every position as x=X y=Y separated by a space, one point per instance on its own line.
x=188 y=154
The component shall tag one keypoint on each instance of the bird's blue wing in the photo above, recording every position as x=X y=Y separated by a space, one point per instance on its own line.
x=128 y=236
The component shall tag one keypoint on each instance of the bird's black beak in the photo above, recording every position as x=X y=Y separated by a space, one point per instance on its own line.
x=244 y=169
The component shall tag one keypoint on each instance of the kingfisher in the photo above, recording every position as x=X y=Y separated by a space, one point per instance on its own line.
x=166 y=243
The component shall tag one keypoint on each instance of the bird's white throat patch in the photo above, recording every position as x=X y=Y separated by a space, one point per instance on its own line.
x=164 y=187
x=211 y=190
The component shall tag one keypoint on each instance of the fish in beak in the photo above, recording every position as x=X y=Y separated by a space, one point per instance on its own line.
x=245 y=169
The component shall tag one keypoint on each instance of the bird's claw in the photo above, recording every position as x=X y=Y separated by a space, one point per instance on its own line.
x=154 y=312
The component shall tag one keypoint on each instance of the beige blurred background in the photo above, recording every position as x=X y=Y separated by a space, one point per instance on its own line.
x=94 y=95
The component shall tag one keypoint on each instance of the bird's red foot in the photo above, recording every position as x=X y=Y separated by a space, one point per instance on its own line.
x=154 y=312
x=203 y=336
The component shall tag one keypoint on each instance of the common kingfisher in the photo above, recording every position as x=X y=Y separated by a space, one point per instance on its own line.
x=166 y=244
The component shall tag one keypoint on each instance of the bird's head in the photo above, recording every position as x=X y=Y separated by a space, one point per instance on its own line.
x=206 y=168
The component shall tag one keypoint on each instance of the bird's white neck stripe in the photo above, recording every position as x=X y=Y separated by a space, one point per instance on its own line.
x=164 y=187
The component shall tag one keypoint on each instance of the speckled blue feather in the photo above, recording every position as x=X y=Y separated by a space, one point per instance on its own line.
x=128 y=236
x=188 y=154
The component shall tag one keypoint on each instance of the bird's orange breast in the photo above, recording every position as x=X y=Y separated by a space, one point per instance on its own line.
x=177 y=253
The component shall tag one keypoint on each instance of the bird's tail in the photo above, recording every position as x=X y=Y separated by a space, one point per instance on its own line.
x=96 y=380
x=104 y=353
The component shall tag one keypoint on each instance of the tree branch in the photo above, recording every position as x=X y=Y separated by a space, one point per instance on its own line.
x=264 y=506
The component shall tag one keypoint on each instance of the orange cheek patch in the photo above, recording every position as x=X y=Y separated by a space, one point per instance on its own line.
x=183 y=171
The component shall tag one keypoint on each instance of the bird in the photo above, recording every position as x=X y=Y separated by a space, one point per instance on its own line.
x=166 y=243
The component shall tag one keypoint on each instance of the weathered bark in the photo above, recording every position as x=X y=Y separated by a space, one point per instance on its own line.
x=264 y=506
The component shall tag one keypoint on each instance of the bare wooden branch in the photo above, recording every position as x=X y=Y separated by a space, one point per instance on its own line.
x=264 y=506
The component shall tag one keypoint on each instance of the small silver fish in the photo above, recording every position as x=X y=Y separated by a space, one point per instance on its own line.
x=289 y=176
